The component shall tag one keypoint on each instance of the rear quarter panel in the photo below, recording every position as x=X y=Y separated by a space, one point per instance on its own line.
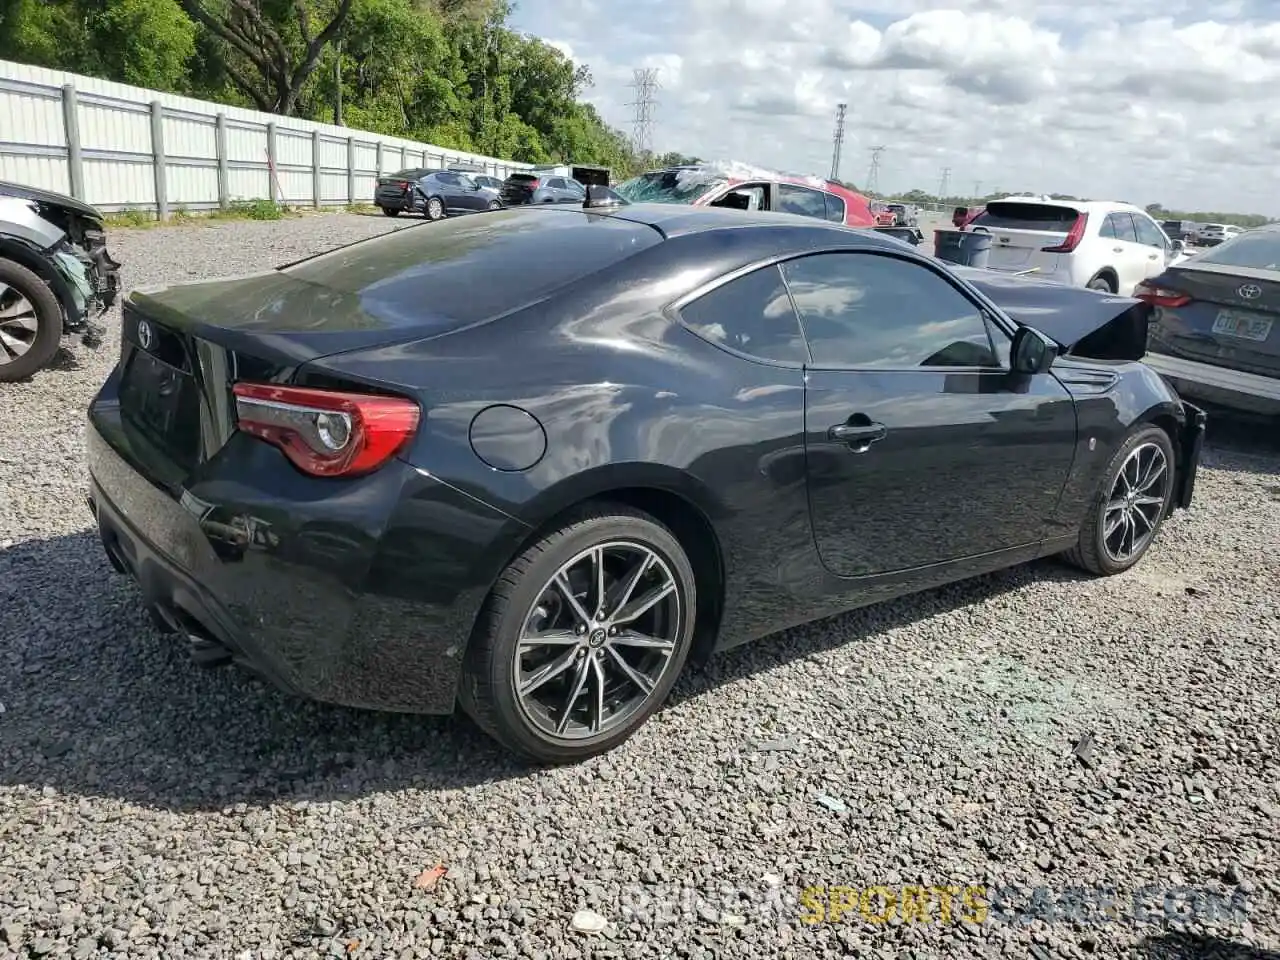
x=625 y=397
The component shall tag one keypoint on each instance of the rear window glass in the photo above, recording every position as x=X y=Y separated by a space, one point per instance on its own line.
x=442 y=274
x=522 y=177
x=1026 y=216
x=1259 y=251
x=416 y=173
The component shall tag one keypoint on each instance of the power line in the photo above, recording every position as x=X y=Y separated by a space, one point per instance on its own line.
x=946 y=179
x=838 y=140
x=644 y=81
x=873 y=175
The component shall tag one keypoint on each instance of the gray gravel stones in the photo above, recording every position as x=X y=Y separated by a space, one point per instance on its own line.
x=151 y=809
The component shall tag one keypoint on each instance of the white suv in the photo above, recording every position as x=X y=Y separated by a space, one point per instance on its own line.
x=1099 y=244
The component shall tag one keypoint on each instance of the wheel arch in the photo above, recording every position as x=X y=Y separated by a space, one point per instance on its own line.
x=25 y=256
x=1110 y=274
x=675 y=499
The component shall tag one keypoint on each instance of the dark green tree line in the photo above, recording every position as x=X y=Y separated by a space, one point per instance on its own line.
x=449 y=72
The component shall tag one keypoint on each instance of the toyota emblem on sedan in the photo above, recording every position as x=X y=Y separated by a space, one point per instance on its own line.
x=1250 y=291
x=145 y=336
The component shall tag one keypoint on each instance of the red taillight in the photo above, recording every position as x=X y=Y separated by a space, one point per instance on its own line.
x=1161 y=296
x=326 y=433
x=405 y=185
x=533 y=184
x=1074 y=236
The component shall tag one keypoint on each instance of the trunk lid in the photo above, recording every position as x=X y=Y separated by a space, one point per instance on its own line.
x=1083 y=322
x=1220 y=313
x=1021 y=231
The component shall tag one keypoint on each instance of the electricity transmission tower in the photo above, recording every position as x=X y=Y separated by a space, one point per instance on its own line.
x=838 y=140
x=942 y=187
x=644 y=81
x=873 y=175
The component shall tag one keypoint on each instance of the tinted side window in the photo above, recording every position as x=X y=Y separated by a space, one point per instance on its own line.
x=868 y=310
x=1122 y=223
x=555 y=183
x=1108 y=229
x=835 y=208
x=1148 y=233
x=449 y=179
x=751 y=314
x=802 y=200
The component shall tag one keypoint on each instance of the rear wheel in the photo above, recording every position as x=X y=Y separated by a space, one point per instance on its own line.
x=1102 y=283
x=30 y=322
x=582 y=637
x=389 y=212
x=494 y=205
x=1129 y=505
x=435 y=208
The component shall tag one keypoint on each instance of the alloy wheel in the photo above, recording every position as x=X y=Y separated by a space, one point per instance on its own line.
x=18 y=323
x=1135 y=503
x=597 y=641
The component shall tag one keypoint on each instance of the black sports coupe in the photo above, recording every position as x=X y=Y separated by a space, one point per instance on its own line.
x=535 y=462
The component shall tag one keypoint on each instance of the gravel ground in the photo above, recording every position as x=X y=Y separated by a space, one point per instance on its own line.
x=148 y=808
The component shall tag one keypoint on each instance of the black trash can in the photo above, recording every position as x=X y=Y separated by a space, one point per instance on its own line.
x=964 y=247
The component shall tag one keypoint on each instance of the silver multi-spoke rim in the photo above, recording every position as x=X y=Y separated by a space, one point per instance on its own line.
x=18 y=324
x=1136 y=501
x=597 y=641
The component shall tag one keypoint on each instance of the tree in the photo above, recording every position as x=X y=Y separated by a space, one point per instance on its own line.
x=271 y=47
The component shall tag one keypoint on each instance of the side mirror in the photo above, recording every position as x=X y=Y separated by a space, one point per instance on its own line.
x=1179 y=246
x=1032 y=352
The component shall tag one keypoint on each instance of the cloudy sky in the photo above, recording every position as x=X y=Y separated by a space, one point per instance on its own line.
x=1169 y=101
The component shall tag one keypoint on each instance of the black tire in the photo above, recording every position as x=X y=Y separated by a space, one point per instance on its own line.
x=434 y=209
x=487 y=691
x=48 y=319
x=1091 y=552
x=389 y=212
x=1101 y=283
x=494 y=205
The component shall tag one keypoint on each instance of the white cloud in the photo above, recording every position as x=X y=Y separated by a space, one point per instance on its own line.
x=1079 y=96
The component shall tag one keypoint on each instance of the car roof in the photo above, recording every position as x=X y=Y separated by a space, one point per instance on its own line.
x=1080 y=206
x=677 y=220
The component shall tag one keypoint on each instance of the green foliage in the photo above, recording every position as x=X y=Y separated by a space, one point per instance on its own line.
x=448 y=72
x=258 y=209
x=1246 y=220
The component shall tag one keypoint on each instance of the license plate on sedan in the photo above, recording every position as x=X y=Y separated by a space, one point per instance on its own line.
x=1245 y=326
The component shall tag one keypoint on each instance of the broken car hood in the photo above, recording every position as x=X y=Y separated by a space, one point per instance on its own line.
x=49 y=198
x=1083 y=322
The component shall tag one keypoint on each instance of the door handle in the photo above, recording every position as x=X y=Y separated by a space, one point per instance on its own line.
x=1154 y=256
x=859 y=436
x=1117 y=249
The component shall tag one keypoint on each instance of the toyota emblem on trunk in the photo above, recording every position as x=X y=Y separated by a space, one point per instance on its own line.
x=1250 y=291
x=145 y=336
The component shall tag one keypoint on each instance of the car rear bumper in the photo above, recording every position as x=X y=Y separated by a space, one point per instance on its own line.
x=399 y=201
x=311 y=592
x=1218 y=385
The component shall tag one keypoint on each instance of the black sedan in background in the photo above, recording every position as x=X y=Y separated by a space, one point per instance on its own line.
x=402 y=475
x=1215 y=330
x=433 y=193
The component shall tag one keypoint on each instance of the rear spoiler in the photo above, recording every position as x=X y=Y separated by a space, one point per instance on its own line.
x=1083 y=322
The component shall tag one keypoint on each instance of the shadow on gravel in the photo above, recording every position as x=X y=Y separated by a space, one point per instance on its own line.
x=1240 y=443
x=1187 y=946
x=98 y=703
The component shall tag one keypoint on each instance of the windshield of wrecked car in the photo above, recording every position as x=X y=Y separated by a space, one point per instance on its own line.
x=669 y=186
x=1259 y=251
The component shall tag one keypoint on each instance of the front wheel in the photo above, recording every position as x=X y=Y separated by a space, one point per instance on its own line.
x=30 y=322
x=1130 y=504
x=494 y=205
x=582 y=637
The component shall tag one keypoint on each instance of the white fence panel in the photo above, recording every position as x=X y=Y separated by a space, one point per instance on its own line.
x=119 y=147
